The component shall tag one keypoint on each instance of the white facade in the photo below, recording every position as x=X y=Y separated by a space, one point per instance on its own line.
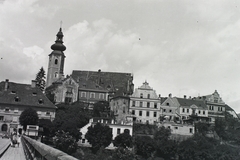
x=145 y=104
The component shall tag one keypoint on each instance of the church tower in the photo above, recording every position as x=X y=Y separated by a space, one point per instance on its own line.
x=56 y=60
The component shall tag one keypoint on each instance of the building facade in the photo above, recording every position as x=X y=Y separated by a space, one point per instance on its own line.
x=16 y=97
x=145 y=105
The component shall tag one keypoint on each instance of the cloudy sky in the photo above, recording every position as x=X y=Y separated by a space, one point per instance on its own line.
x=181 y=47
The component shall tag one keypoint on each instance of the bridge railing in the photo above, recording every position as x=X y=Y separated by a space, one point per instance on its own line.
x=35 y=150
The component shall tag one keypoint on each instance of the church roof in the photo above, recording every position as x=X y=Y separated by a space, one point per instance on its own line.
x=23 y=95
x=112 y=81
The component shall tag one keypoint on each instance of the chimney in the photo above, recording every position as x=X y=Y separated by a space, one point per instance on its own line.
x=185 y=96
x=33 y=83
x=170 y=95
x=6 y=85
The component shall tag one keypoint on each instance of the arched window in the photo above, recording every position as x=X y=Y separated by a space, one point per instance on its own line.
x=56 y=61
x=4 y=127
x=56 y=75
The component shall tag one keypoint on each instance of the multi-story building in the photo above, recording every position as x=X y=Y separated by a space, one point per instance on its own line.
x=119 y=107
x=145 y=104
x=16 y=97
x=215 y=104
x=169 y=108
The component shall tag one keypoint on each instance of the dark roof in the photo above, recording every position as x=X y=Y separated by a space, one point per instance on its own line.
x=189 y=102
x=112 y=81
x=89 y=85
x=23 y=94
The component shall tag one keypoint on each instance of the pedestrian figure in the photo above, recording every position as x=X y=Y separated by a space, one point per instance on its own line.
x=19 y=139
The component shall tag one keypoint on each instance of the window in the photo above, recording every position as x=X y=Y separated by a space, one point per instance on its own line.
x=83 y=94
x=83 y=140
x=154 y=114
x=16 y=110
x=199 y=112
x=69 y=90
x=17 y=99
x=92 y=95
x=141 y=95
x=203 y=112
x=56 y=74
x=15 y=119
x=175 y=127
x=148 y=104
x=133 y=112
x=190 y=130
x=215 y=100
x=147 y=114
x=148 y=96
x=140 y=113
x=101 y=96
x=170 y=110
x=133 y=103
x=1 y=118
x=118 y=131
x=47 y=113
x=155 y=105
x=164 y=110
x=40 y=101
x=39 y=112
x=187 y=110
x=56 y=61
x=141 y=103
x=183 y=110
x=13 y=92
x=167 y=104
x=34 y=94
x=68 y=100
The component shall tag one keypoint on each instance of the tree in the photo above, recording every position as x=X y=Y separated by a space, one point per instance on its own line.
x=202 y=128
x=144 y=146
x=47 y=125
x=165 y=147
x=123 y=140
x=40 y=78
x=99 y=136
x=65 y=142
x=28 y=117
x=101 y=109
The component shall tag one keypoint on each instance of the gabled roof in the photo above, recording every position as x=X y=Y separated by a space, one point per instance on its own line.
x=112 y=81
x=23 y=94
x=189 y=102
x=89 y=85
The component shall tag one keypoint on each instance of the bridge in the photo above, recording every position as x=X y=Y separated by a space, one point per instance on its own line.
x=30 y=149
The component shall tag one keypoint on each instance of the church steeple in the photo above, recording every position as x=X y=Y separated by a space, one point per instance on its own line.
x=56 y=60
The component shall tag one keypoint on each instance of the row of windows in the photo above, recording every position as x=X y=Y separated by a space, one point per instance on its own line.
x=176 y=128
x=141 y=95
x=212 y=108
x=141 y=104
x=147 y=113
x=164 y=110
x=92 y=95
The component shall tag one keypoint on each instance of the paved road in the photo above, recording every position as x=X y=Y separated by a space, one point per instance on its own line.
x=14 y=153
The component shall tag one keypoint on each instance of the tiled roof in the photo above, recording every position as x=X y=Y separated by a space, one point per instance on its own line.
x=189 y=102
x=112 y=81
x=89 y=85
x=23 y=94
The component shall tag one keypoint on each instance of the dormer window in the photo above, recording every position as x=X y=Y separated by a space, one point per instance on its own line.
x=17 y=99
x=40 y=101
x=13 y=92
x=34 y=94
x=47 y=113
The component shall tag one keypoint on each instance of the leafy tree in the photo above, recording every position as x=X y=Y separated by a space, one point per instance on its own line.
x=101 y=109
x=40 y=78
x=99 y=136
x=70 y=118
x=28 y=117
x=165 y=147
x=123 y=153
x=123 y=140
x=47 y=125
x=65 y=142
x=202 y=128
x=144 y=146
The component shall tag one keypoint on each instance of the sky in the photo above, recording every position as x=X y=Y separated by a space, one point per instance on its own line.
x=182 y=47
